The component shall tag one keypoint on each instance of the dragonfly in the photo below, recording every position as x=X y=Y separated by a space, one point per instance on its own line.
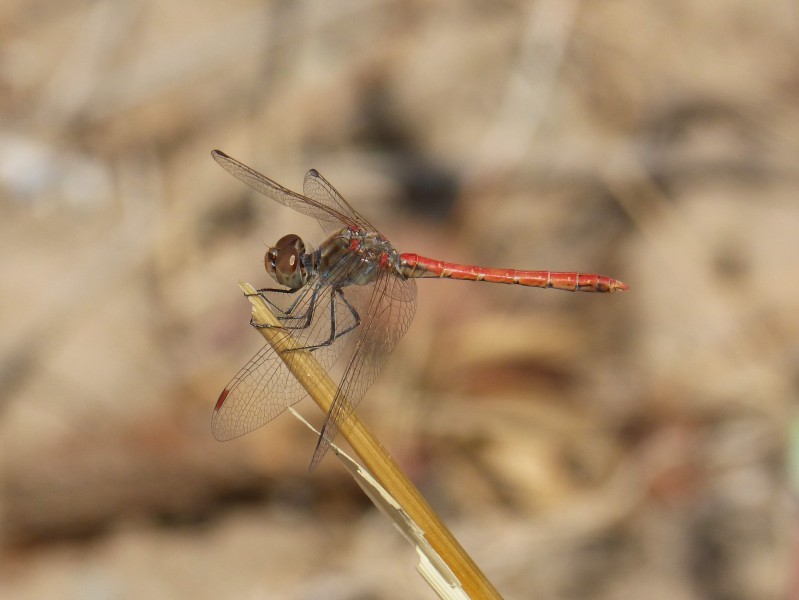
x=354 y=291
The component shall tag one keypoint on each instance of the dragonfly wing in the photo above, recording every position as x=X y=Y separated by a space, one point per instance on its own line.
x=265 y=387
x=319 y=189
x=328 y=215
x=389 y=311
x=262 y=390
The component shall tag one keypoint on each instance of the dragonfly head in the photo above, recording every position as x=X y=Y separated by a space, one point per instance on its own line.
x=284 y=262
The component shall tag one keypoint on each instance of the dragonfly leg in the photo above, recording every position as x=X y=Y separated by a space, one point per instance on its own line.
x=307 y=315
x=334 y=335
x=289 y=320
x=284 y=313
x=262 y=293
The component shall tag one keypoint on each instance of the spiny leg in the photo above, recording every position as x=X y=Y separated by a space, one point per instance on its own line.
x=334 y=335
x=284 y=313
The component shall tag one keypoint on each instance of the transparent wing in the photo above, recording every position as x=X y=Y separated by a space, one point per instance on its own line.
x=265 y=387
x=391 y=305
x=319 y=189
x=322 y=201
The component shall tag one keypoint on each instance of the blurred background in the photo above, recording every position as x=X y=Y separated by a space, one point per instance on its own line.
x=578 y=445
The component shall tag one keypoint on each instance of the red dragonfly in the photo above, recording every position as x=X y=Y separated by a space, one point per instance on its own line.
x=354 y=288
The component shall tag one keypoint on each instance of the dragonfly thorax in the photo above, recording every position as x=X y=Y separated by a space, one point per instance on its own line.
x=286 y=262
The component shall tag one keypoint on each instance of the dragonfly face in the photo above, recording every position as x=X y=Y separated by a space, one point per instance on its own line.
x=284 y=262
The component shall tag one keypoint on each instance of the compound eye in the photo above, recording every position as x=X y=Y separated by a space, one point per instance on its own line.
x=291 y=240
x=287 y=261
x=270 y=262
x=284 y=261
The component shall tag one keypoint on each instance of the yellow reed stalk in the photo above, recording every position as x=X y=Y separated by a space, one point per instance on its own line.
x=322 y=390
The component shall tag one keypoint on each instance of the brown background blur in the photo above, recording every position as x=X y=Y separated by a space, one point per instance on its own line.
x=579 y=446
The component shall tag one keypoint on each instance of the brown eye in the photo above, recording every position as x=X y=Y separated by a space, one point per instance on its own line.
x=287 y=260
x=284 y=261
x=291 y=240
